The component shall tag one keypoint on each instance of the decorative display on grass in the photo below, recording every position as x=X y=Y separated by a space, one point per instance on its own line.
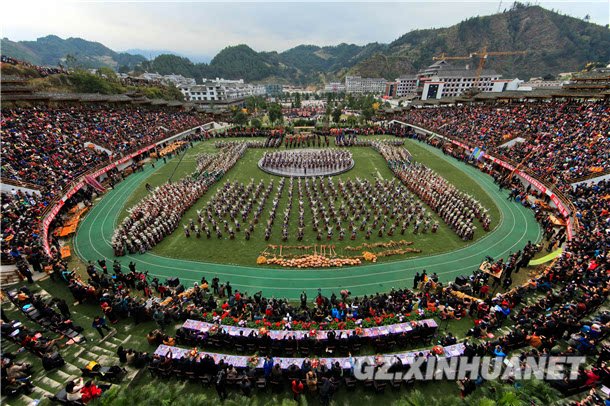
x=325 y=256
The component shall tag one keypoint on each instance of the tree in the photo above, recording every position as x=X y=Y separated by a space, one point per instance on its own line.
x=336 y=115
x=256 y=123
x=173 y=93
x=367 y=113
x=73 y=65
x=275 y=113
x=297 y=101
x=107 y=73
x=240 y=118
x=138 y=70
x=124 y=69
x=352 y=120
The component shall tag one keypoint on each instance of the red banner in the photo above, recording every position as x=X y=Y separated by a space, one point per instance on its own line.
x=47 y=221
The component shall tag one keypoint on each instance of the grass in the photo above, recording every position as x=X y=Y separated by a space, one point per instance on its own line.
x=369 y=164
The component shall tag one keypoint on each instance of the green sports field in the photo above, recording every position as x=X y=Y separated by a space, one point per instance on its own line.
x=234 y=260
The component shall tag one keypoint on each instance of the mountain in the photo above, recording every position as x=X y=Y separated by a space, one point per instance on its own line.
x=52 y=50
x=150 y=53
x=153 y=53
x=553 y=43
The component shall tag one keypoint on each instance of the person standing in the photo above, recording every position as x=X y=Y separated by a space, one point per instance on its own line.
x=297 y=388
x=63 y=308
x=99 y=323
x=24 y=270
x=215 y=287
x=221 y=384
x=416 y=280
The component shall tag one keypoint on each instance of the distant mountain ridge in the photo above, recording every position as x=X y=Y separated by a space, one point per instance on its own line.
x=554 y=43
x=52 y=50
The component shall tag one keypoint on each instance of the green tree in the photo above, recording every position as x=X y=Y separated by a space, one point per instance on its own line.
x=256 y=123
x=275 y=113
x=240 y=118
x=173 y=93
x=352 y=120
x=297 y=101
x=367 y=113
x=73 y=65
x=138 y=70
x=336 y=115
x=124 y=69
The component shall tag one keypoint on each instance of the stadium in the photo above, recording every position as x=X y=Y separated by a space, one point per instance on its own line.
x=167 y=252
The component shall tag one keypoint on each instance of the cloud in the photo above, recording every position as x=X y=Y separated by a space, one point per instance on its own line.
x=204 y=28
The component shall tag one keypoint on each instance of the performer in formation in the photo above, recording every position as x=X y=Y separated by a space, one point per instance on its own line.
x=159 y=213
x=455 y=207
x=333 y=210
x=312 y=160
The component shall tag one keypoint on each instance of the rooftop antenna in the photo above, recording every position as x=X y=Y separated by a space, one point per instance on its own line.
x=499 y=7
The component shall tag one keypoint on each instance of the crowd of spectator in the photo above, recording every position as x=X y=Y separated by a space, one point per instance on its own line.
x=562 y=140
x=47 y=147
x=43 y=71
x=554 y=323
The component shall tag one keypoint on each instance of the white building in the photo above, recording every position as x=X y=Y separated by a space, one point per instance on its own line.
x=152 y=76
x=218 y=91
x=223 y=81
x=502 y=85
x=357 y=84
x=539 y=83
x=443 y=79
x=334 y=87
x=179 y=80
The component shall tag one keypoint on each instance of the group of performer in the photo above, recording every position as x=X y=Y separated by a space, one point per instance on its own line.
x=455 y=207
x=158 y=215
x=381 y=208
x=271 y=142
x=301 y=161
x=306 y=140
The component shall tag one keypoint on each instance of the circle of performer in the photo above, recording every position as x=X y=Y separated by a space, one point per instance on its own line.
x=307 y=162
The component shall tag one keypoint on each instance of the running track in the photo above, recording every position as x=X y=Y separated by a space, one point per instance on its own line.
x=516 y=227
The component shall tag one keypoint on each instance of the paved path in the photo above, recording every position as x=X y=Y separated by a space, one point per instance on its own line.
x=516 y=227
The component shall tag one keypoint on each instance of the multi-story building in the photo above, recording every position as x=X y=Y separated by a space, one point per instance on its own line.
x=274 y=89
x=391 y=89
x=539 y=83
x=224 y=81
x=334 y=87
x=443 y=79
x=357 y=84
x=221 y=91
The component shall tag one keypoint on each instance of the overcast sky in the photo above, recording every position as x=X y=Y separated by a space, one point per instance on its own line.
x=204 y=28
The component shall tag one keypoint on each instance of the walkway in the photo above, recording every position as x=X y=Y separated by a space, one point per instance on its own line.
x=516 y=227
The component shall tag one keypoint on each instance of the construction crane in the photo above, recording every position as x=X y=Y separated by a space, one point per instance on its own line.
x=484 y=54
x=440 y=58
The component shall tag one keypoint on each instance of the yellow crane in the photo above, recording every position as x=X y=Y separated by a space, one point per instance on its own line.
x=484 y=54
x=440 y=58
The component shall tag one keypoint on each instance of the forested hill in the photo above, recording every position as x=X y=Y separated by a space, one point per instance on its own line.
x=52 y=50
x=554 y=43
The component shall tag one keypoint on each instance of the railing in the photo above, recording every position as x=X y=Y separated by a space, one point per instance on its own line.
x=592 y=175
x=68 y=191
x=20 y=183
